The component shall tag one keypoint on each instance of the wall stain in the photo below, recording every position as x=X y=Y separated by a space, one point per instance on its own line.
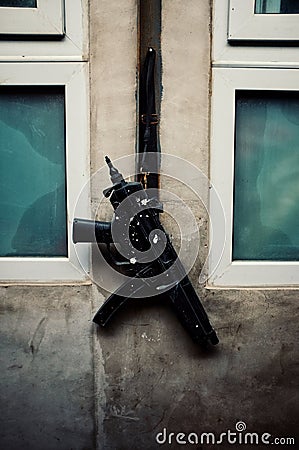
x=38 y=336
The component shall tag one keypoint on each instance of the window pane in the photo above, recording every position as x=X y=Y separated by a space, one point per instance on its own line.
x=18 y=3
x=276 y=7
x=32 y=171
x=266 y=186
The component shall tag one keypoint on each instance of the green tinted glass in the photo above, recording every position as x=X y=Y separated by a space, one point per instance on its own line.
x=18 y=3
x=276 y=7
x=32 y=171
x=266 y=186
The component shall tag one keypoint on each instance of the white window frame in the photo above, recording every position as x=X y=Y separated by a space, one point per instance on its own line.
x=73 y=45
x=252 y=55
x=44 y=20
x=245 y=25
x=74 y=77
x=226 y=272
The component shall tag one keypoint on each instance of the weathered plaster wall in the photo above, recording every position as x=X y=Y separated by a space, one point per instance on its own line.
x=113 y=65
x=46 y=368
x=66 y=384
x=186 y=77
x=154 y=376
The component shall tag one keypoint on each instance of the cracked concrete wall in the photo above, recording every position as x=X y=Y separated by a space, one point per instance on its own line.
x=66 y=384
x=154 y=377
x=46 y=368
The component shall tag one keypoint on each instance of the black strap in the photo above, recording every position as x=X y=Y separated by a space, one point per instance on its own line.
x=148 y=152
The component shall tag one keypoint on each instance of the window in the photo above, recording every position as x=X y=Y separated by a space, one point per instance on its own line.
x=266 y=174
x=53 y=30
x=276 y=7
x=43 y=138
x=255 y=169
x=33 y=216
x=42 y=18
x=44 y=142
x=263 y=20
x=228 y=52
x=19 y=3
x=254 y=163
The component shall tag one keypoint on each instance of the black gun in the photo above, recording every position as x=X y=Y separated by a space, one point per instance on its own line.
x=154 y=268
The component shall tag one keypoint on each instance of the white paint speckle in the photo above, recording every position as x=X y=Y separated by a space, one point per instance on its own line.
x=155 y=239
x=151 y=339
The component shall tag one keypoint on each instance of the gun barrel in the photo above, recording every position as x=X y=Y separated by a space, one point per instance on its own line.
x=92 y=231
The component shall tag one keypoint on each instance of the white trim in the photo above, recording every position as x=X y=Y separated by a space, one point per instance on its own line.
x=46 y=19
x=245 y=25
x=73 y=46
x=74 y=76
x=225 y=82
x=251 y=55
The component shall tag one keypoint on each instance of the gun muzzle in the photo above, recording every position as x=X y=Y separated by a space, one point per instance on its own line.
x=115 y=176
x=92 y=231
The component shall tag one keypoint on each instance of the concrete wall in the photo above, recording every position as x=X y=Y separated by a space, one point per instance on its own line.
x=66 y=384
